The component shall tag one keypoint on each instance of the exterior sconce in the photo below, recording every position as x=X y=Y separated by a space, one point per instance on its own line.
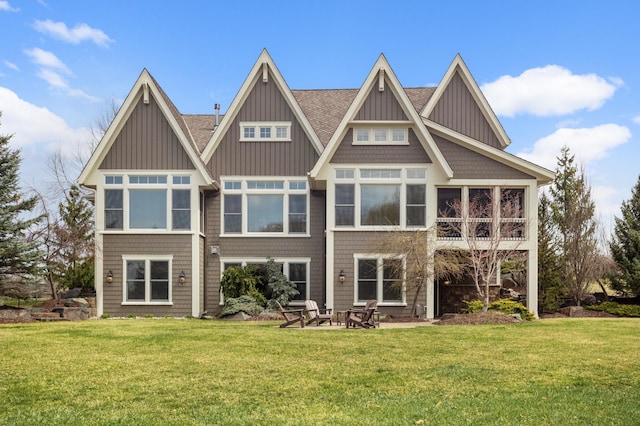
x=342 y=276
x=447 y=282
x=109 y=277
x=182 y=277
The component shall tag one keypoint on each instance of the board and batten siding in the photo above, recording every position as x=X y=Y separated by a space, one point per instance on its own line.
x=147 y=245
x=458 y=110
x=147 y=142
x=381 y=106
x=467 y=164
x=346 y=243
x=347 y=153
x=293 y=158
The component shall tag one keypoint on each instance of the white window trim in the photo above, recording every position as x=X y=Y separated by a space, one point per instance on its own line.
x=389 y=138
x=379 y=258
x=284 y=260
x=285 y=192
x=147 y=280
x=125 y=186
x=403 y=181
x=497 y=197
x=271 y=124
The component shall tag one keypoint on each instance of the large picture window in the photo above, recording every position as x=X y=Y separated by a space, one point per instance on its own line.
x=152 y=202
x=265 y=207
x=380 y=197
x=296 y=269
x=380 y=278
x=147 y=281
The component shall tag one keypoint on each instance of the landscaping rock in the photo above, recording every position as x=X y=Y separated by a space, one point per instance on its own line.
x=77 y=302
x=240 y=316
x=572 y=311
x=73 y=313
x=11 y=313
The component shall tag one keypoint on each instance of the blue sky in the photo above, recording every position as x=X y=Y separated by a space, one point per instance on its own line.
x=555 y=72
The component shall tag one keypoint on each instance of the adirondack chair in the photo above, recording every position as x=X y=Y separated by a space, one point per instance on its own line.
x=316 y=314
x=291 y=316
x=362 y=317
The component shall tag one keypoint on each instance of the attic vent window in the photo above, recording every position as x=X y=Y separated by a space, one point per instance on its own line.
x=265 y=131
x=381 y=136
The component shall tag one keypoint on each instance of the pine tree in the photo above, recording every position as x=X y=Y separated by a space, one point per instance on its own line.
x=625 y=245
x=74 y=236
x=549 y=261
x=18 y=255
x=573 y=211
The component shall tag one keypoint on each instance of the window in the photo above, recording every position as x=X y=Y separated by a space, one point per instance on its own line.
x=153 y=202
x=380 y=136
x=449 y=204
x=380 y=197
x=147 y=281
x=475 y=211
x=297 y=270
x=380 y=278
x=265 y=131
x=265 y=207
x=113 y=209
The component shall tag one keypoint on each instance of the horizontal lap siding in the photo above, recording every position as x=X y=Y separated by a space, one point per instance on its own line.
x=347 y=153
x=247 y=247
x=147 y=142
x=115 y=246
x=467 y=164
x=458 y=110
x=346 y=243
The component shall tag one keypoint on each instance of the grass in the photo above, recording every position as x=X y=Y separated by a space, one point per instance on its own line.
x=172 y=371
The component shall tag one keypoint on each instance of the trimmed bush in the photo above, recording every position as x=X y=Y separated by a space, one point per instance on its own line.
x=504 y=306
x=243 y=303
x=616 y=309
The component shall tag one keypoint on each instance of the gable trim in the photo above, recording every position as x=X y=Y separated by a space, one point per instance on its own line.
x=260 y=72
x=458 y=66
x=143 y=87
x=542 y=175
x=381 y=69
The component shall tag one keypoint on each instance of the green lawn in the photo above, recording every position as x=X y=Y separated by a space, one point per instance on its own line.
x=171 y=371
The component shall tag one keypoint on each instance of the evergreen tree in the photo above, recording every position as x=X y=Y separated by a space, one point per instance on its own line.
x=549 y=261
x=573 y=211
x=625 y=245
x=18 y=255
x=74 y=236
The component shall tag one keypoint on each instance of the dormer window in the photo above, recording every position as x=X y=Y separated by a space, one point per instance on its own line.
x=380 y=136
x=279 y=131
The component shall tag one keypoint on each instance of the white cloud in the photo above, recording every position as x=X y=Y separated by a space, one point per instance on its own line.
x=33 y=125
x=46 y=59
x=636 y=119
x=548 y=91
x=587 y=144
x=4 y=5
x=75 y=35
x=11 y=65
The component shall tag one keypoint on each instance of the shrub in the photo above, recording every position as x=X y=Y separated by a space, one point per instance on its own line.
x=616 y=309
x=105 y=316
x=243 y=303
x=240 y=281
x=505 y=306
x=282 y=290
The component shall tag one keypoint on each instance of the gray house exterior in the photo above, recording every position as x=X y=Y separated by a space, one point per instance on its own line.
x=310 y=178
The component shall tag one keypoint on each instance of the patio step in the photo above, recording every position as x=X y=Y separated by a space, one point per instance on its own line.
x=47 y=316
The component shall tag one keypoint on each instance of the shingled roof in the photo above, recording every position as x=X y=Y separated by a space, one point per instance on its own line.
x=324 y=108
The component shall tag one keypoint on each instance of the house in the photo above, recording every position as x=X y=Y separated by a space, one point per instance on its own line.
x=310 y=178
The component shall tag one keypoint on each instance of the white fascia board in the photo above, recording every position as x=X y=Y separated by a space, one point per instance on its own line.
x=543 y=175
x=458 y=65
x=255 y=75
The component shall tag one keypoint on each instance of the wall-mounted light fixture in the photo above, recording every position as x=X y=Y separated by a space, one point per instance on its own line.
x=109 y=276
x=342 y=276
x=182 y=277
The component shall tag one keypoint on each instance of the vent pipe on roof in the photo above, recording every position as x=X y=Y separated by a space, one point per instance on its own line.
x=217 y=108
